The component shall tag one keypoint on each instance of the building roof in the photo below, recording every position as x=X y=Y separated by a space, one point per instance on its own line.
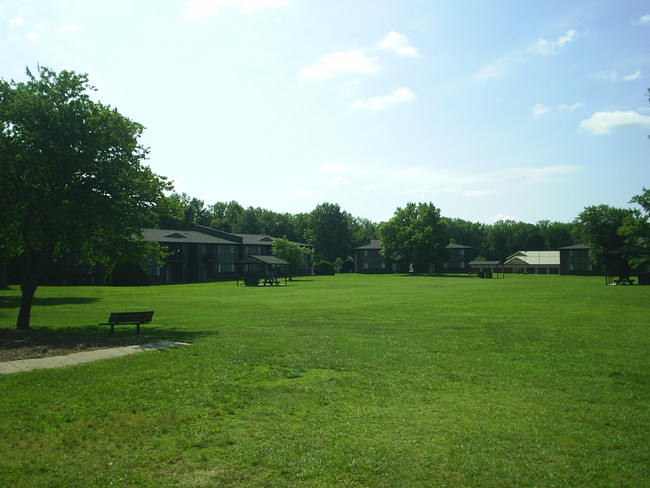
x=181 y=236
x=575 y=247
x=374 y=244
x=535 y=258
x=254 y=258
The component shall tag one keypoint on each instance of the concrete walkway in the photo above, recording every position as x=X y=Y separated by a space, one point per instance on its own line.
x=82 y=357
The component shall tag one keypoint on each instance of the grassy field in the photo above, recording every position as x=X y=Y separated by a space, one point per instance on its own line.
x=343 y=381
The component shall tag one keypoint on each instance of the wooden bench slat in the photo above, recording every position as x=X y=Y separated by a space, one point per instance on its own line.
x=131 y=318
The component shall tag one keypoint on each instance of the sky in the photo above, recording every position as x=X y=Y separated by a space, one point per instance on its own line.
x=490 y=110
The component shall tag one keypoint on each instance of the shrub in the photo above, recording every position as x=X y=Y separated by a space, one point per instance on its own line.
x=126 y=273
x=323 y=268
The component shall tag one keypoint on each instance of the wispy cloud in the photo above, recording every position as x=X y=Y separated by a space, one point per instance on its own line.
x=505 y=65
x=606 y=122
x=382 y=102
x=541 y=109
x=613 y=75
x=426 y=182
x=634 y=76
x=644 y=20
x=339 y=62
x=196 y=9
x=546 y=48
x=398 y=43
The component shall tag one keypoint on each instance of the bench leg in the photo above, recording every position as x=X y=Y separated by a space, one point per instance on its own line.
x=112 y=331
x=137 y=328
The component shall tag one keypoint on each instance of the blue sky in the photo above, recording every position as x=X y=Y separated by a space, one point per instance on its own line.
x=490 y=110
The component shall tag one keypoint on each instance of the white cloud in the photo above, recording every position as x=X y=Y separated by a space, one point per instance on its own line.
x=196 y=9
x=380 y=103
x=339 y=62
x=546 y=48
x=634 y=76
x=613 y=75
x=506 y=64
x=17 y=21
x=605 y=122
x=340 y=181
x=399 y=43
x=539 y=110
x=499 y=68
x=645 y=20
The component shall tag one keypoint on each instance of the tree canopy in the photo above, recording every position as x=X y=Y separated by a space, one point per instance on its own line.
x=72 y=175
x=416 y=234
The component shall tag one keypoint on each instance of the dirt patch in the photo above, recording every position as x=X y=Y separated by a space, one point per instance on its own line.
x=16 y=344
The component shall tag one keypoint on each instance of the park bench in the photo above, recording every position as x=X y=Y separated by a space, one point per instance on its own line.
x=128 y=318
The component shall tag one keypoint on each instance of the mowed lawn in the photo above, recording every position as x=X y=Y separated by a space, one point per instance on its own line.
x=342 y=381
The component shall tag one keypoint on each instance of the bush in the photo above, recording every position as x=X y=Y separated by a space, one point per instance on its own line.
x=126 y=273
x=323 y=268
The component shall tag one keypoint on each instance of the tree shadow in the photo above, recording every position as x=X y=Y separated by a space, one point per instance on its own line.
x=436 y=275
x=45 y=341
x=14 y=301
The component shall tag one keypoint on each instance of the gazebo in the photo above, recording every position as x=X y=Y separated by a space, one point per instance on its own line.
x=617 y=265
x=265 y=270
x=485 y=269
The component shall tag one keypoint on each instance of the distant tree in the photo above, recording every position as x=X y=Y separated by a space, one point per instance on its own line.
x=556 y=234
x=168 y=213
x=599 y=226
x=362 y=230
x=635 y=228
x=466 y=233
x=291 y=252
x=330 y=232
x=508 y=236
x=194 y=212
x=72 y=174
x=416 y=234
x=248 y=223
x=225 y=215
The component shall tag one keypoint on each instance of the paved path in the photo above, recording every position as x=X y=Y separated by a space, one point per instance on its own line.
x=82 y=357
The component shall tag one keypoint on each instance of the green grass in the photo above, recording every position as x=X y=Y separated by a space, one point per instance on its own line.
x=344 y=381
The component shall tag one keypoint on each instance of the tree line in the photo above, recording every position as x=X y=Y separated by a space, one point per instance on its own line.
x=417 y=232
x=73 y=177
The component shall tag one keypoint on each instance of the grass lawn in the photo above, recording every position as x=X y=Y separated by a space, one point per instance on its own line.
x=343 y=381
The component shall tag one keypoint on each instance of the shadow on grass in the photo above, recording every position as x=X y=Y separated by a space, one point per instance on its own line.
x=437 y=275
x=89 y=337
x=14 y=301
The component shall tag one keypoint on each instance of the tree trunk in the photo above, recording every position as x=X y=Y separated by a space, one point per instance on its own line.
x=28 y=288
x=37 y=264
x=4 y=281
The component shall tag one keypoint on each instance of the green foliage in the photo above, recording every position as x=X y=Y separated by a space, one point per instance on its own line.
x=358 y=381
x=291 y=252
x=599 y=225
x=416 y=234
x=72 y=173
x=330 y=232
x=126 y=273
x=323 y=267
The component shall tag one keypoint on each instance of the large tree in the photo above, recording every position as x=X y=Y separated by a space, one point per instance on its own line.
x=599 y=226
x=72 y=174
x=416 y=234
x=329 y=232
x=291 y=252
